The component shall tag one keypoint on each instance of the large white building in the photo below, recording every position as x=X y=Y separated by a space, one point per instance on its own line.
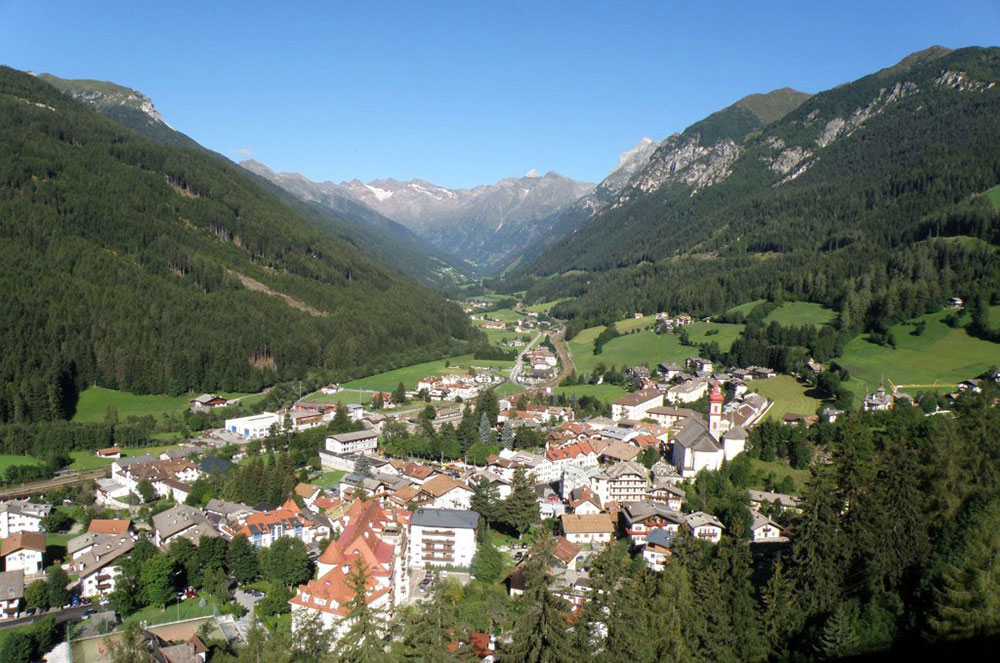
x=21 y=516
x=254 y=427
x=97 y=561
x=443 y=537
x=356 y=442
x=623 y=482
x=637 y=404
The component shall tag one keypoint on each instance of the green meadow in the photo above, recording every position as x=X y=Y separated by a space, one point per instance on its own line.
x=604 y=392
x=410 y=375
x=941 y=356
x=788 y=394
x=801 y=313
x=8 y=460
x=94 y=402
x=647 y=347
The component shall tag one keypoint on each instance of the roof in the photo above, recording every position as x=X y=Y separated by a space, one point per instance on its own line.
x=702 y=519
x=109 y=451
x=660 y=538
x=212 y=464
x=353 y=436
x=760 y=520
x=626 y=467
x=582 y=494
x=780 y=498
x=621 y=451
x=695 y=436
x=450 y=518
x=108 y=526
x=598 y=523
x=639 y=397
x=179 y=518
x=735 y=433
x=441 y=484
x=305 y=490
x=108 y=549
x=23 y=541
x=564 y=550
x=11 y=585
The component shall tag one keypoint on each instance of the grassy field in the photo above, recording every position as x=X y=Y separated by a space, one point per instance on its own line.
x=779 y=470
x=87 y=459
x=993 y=195
x=410 y=375
x=7 y=460
x=801 y=313
x=508 y=389
x=94 y=402
x=347 y=397
x=646 y=347
x=604 y=392
x=506 y=315
x=940 y=356
x=329 y=479
x=788 y=394
x=747 y=307
x=546 y=307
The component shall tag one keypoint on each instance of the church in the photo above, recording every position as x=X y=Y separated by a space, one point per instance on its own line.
x=701 y=445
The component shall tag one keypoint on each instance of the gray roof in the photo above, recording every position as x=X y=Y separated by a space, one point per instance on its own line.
x=80 y=542
x=626 y=467
x=735 y=433
x=765 y=496
x=701 y=519
x=132 y=460
x=694 y=435
x=354 y=436
x=760 y=520
x=109 y=549
x=177 y=519
x=660 y=537
x=640 y=511
x=451 y=518
x=12 y=585
x=26 y=508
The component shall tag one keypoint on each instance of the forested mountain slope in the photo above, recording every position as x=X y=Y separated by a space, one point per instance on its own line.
x=345 y=219
x=142 y=267
x=848 y=200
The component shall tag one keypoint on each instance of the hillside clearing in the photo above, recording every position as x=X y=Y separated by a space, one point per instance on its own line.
x=788 y=394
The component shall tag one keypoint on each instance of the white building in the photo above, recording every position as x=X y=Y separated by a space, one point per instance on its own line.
x=704 y=526
x=24 y=551
x=687 y=392
x=254 y=427
x=442 y=537
x=637 y=404
x=11 y=593
x=598 y=528
x=622 y=482
x=21 y=516
x=356 y=442
x=765 y=529
x=444 y=492
x=98 y=563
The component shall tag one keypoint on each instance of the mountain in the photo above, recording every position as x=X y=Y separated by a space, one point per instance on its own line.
x=138 y=266
x=125 y=106
x=344 y=218
x=354 y=222
x=486 y=225
x=852 y=199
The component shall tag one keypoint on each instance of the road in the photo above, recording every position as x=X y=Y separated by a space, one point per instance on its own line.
x=61 y=615
x=39 y=487
x=516 y=370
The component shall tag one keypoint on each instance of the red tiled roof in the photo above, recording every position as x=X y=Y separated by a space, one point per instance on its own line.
x=108 y=526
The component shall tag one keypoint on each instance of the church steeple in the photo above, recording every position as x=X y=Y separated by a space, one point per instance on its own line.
x=715 y=411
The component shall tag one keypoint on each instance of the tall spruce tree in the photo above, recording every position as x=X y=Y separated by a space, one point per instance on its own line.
x=540 y=634
x=362 y=643
x=520 y=509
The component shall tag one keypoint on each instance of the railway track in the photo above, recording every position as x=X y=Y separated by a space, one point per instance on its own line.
x=39 y=487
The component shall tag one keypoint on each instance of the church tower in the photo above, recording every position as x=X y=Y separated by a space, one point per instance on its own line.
x=715 y=411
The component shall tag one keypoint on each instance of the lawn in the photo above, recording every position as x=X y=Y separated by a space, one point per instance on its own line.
x=780 y=470
x=329 y=479
x=993 y=195
x=942 y=356
x=801 y=313
x=94 y=402
x=187 y=609
x=410 y=375
x=347 y=396
x=788 y=394
x=604 y=392
x=647 y=347
x=547 y=306
x=508 y=389
x=506 y=315
x=7 y=460
x=746 y=308
x=87 y=459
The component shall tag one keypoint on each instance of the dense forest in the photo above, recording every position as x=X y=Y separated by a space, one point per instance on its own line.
x=883 y=223
x=148 y=268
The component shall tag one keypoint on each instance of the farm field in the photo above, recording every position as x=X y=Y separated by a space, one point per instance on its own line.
x=747 y=307
x=788 y=394
x=604 y=392
x=94 y=402
x=87 y=459
x=547 y=306
x=505 y=314
x=942 y=355
x=778 y=470
x=801 y=313
x=508 y=389
x=410 y=375
x=647 y=347
x=8 y=460
x=346 y=397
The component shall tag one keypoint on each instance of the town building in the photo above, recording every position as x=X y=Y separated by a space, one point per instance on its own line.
x=622 y=482
x=442 y=537
x=703 y=526
x=356 y=442
x=98 y=563
x=21 y=516
x=11 y=593
x=588 y=530
x=658 y=546
x=763 y=529
x=181 y=522
x=24 y=551
x=254 y=427
x=636 y=404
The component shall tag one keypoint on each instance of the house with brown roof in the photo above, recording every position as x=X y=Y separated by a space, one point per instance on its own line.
x=99 y=565
x=24 y=551
x=590 y=529
x=308 y=492
x=636 y=404
x=446 y=493
x=109 y=452
x=109 y=526
x=566 y=552
x=583 y=501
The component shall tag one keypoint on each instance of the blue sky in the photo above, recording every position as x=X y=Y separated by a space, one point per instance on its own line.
x=464 y=93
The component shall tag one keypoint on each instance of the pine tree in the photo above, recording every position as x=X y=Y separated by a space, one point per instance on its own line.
x=486 y=434
x=540 y=634
x=399 y=394
x=520 y=509
x=820 y=549
x=425 y=633
x=839 y=637
x=362 y=643
x=781 y=616
x=485 y=501
x=507 y=435
x=243 y=560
